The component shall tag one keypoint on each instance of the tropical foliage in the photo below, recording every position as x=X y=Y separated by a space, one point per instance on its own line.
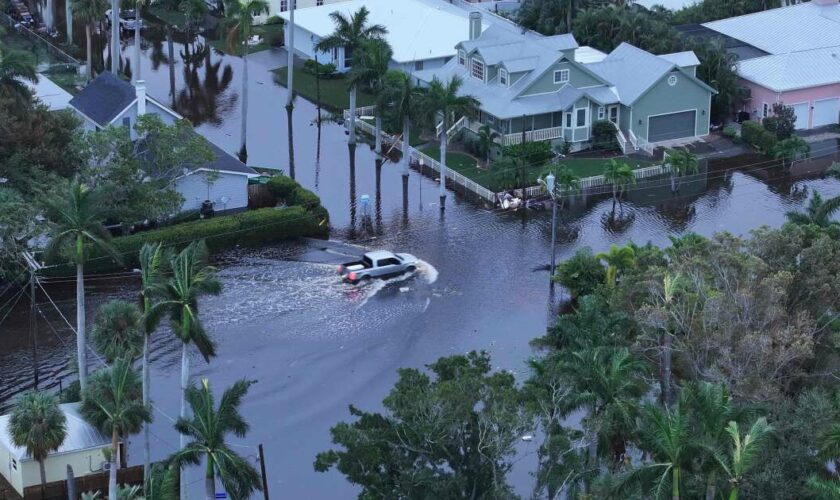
x=37 y=425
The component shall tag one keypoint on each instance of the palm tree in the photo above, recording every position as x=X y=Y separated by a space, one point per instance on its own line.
x=819 y=212
x=664 y=302
x=350 y=33
x=115 y=36
x=16 y=65
x=90 y=12
x=486 y=139
x=117 y=332
x=401 y=99
x=790 y=149
x=744 y=452
x=154 y=261
x=829 y=451
x=38 y=425
x=191 y=278
x=290 y=77
x=161 y=484
x=207 y=430
x=113 y=403
x=682 y=162
x=439 y=107
x=370 y=64
x=618 y=259
x=565 y=181
x=620 y=175
x=138 y=8
x=76 y=227
x=194 y=12
x=239 y=15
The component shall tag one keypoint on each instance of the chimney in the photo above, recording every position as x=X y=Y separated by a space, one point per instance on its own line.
x=475 y=25
x=140 y=88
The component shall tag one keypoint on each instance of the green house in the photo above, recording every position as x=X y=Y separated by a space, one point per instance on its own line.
x=538 y=88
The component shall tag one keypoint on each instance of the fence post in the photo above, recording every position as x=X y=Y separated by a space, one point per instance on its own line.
x=71 y=484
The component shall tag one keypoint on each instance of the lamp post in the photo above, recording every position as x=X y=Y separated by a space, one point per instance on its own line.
x=549 y=185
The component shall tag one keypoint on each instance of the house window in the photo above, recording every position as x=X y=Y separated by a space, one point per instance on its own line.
x=568 y=120
x=477 y=69
x=614 y=114
x=602 y=113
x=284 y=5
x=503 y=76
x=126 y=122
x=765 y=110
x=348 y=57
x=672 y=80
x=462 y=57
x=319 y=3
x=581 y=117
x=561 y=76
x=418 y=65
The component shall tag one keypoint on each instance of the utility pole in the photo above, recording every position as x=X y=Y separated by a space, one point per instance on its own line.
x=549 y=185
x=262 y=471
x=34 y=267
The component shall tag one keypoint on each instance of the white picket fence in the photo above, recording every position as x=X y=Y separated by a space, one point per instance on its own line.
x=598 y=181
x=363 y=111
x=543 y=134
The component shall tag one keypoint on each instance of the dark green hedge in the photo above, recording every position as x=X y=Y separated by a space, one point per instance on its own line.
x=754 y=134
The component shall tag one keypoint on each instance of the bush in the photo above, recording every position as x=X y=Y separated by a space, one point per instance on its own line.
x=305 y=198
x=603 y=135
x=283 y=188
x=276 y=39
x=533 y=153
x=326 y=70
x=782 y=122
x=274 y=20
x=730 y=132
x=582 y=274
x=754 y=134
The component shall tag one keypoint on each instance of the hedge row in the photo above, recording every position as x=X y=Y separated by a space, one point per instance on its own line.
x=754 y=134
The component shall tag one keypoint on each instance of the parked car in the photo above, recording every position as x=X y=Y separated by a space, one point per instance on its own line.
x=378 y=264
x=128 y=20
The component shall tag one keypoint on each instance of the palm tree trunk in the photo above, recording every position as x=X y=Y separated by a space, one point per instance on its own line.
x=146 y=402
x=68 y=16
x=43 y=472
x=378 y=140
x=711 y=485
x=89 y=47
x=290 y=76
x=443 y=141
x=289 y=108
x=80 y=326
x=667 y=343
x=675 y=483
x=171 y=49
x=243 y=149
x=406 y=158
x=137 y=73
x=209 y=482
x=115 y=36
x=352 y=124
x=185 y=382
x=112 y=473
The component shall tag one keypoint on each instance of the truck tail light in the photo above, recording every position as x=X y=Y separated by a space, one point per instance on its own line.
x=352 y=276
x=340 y=268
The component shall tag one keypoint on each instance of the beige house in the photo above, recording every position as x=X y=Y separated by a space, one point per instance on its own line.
x=83 y=450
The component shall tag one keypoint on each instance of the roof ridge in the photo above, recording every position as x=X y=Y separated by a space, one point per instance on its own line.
x=756 y=13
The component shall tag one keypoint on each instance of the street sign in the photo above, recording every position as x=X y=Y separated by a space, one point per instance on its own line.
x=221 y=496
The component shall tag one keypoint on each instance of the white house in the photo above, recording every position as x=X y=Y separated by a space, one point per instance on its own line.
x=109 y=100
x=275 y=7
x=422 y=33
x=83 y=450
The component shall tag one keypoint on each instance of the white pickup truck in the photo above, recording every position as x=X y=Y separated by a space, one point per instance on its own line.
x=378 y=264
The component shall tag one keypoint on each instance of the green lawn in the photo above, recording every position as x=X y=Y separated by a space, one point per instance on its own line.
x=498 y=180
x=334 y=92
x=268 y=32
x=171 y=17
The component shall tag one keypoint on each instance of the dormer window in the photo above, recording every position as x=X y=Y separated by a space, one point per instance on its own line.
x=503 y=76
x=477 y=69
x=561 y=76
x=462 y=57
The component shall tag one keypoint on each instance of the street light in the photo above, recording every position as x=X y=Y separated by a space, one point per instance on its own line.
x=549 y=185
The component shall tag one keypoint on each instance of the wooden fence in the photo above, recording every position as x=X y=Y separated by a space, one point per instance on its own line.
x=57 y=490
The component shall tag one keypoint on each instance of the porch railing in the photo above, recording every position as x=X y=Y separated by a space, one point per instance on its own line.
x=454 y=129
x=363 y=111
x=639 y=143
x=622 y=140
x=543 y=134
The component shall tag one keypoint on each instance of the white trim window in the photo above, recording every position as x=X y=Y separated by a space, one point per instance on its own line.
x=765 y=110
x=462 y=57
x=319 y=3
x=477 y=69
x=614 y=114
x=580 y=117
x=503 y=77
x=284 y=5
x=561 y=76
x=602 y=112
x=568 y=120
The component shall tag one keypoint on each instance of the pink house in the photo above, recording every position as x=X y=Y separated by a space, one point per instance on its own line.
x=802 y=65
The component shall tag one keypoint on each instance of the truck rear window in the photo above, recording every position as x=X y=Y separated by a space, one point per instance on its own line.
x=367 y=262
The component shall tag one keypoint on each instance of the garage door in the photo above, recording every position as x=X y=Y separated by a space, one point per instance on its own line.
x=801 y=112
x=826 y=112
x=672 y=126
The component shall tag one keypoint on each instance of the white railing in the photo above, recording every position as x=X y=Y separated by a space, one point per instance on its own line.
x=363 y=111
x=622 y=141
x=454 y=129
x=639 y=143
x=543 y=134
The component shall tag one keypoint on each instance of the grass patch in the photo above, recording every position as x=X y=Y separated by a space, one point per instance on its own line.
x=499 y=180
x=334 y=92
x=170 y=17
x=268 y=32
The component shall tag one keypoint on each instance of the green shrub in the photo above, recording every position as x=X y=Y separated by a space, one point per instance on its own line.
x=582 y=274
x=275 y=39
x=305 y=198
x=532 y=153
x=274 y=20
x=327 y=70
x=283 y=188
x=603 y=135
x=730 y=132
x=754 y=134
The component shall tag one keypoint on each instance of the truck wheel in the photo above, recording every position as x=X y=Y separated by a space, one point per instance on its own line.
x=411 y=269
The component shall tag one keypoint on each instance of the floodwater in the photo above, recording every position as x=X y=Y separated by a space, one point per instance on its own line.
x=316 y=345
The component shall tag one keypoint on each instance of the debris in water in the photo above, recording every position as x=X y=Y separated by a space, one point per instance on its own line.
x=403 y=289
x=528 y=437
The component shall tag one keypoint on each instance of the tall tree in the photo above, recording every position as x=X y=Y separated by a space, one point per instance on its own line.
x=682 y=163
x=401 y=100
x=370 y=64
x=16 y=67
x=350 y=33
x=90 y=12
x=819 y=212
x=619 y=175
x=117 y=331
x=116 y=5
x=113 y=403
x=38 y=425
x=618 y=259
x=788 y=150
x=440 y=107
x=137 y=74
x=76 y=227
x=239 y=16
x=192 y=278
x=207 y=429
x=290 y=77
x=154 y=262
x=744 y=452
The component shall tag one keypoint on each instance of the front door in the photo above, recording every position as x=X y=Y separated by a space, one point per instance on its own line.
x=613 y=115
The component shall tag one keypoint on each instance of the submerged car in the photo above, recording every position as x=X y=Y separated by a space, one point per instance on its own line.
x=378 y=264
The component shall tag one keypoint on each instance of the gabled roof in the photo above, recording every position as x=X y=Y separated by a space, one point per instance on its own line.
x=226 y=162
x=682 y=59
x=804 y=26
x=795 y=70
x=631 y=70
x=80 y=435
x=104 y=98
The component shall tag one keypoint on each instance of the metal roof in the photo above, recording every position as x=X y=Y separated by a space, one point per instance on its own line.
x=631 y=70
x=682 y=59
x=795 y=28
x=795 y=70
x=80 y=435
x=53 y=96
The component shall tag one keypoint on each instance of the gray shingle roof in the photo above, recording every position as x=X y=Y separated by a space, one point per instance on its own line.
x=227 y=162
x=104 y=98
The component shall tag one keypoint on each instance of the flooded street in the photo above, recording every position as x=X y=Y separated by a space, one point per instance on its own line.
x=316 y=345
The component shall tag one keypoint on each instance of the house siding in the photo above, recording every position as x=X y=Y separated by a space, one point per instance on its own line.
x=545 y=83
x=762 y=94
x=662 y=98
x=194 y=190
